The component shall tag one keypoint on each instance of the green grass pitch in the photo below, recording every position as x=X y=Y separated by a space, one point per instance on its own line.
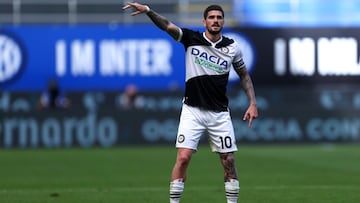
x=268 y=174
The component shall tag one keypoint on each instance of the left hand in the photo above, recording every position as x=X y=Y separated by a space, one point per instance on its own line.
x=250 y=114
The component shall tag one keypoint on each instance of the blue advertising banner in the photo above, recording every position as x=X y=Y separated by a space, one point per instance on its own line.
x=96 y=57
x=105 y=57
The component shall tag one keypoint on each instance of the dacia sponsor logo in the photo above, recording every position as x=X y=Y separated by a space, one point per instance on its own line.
x=12 y=57
x=209 y=61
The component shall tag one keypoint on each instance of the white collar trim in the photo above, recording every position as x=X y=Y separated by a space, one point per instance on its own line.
x=212 y=43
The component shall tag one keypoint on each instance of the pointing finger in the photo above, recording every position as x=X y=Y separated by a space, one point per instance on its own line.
x=250 y=122
x=128 y=5
x=135 y=13
x=246 y=116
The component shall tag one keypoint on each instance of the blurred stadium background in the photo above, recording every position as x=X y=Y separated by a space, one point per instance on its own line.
x=303 y=56
x=123 y=81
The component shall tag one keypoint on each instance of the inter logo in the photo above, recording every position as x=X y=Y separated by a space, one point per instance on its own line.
x=12 y=58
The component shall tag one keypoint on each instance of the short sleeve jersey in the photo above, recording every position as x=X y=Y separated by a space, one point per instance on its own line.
x=207 y=69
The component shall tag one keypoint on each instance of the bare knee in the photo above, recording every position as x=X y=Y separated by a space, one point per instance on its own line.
x=183 y=158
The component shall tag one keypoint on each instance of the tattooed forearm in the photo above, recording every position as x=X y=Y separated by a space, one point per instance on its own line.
x=246 y=83
x=248 y=87
x=164 y=24
x=228 y=163
x=159 y=20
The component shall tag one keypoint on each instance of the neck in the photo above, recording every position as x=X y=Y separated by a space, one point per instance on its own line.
x=213 y=37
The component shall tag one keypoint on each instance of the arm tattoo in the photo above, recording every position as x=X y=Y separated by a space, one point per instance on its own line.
x=248 y=87
x=159 y=20
x=163 y=23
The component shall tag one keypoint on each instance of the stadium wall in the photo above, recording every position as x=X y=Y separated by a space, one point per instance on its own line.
x=305 y=80
x=98 y=119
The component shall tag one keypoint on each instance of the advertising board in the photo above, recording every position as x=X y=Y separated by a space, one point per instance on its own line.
x=96 y=119
x=110 y=57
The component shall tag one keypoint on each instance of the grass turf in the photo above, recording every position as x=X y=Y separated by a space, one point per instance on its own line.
x=268 y=174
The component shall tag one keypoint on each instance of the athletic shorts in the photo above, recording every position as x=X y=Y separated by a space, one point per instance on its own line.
x=195 y=122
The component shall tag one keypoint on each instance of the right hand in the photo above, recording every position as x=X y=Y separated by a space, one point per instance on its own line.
x=139 y=8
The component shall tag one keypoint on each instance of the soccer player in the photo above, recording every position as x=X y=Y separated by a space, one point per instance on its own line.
x=209 y=56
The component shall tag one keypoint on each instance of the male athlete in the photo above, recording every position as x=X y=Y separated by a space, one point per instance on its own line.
x=209 y=56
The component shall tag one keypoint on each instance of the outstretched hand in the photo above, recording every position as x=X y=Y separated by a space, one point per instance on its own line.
x=139 y=8
x=250 y=114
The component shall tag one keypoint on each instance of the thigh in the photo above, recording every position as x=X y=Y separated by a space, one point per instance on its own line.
x=190 y=128
x=221 y=133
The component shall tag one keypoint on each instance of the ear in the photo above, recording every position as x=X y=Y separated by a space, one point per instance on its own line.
x=204 y=23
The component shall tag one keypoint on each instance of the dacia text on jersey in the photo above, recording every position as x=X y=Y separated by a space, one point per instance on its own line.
x=116 y=57
x=209 y=61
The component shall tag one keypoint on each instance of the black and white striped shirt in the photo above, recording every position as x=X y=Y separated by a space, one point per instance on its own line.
x=207 y=69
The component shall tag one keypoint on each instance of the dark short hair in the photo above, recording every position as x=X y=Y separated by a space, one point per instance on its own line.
x=212 y=8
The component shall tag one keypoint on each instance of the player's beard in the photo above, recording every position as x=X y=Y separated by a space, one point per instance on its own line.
x=214 y=32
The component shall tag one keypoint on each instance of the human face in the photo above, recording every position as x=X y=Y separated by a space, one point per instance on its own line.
x=214 y=22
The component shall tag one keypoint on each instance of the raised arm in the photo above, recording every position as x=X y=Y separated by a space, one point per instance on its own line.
x=159 y=20
x=247 y=84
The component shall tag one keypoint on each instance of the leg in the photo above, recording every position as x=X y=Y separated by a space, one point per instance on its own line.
x=182 y=162
x=178 y=174
x=230 y=177
x=188 y=136
x=228 y=162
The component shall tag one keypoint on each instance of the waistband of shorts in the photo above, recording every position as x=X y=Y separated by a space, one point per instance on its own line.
x=207 y=109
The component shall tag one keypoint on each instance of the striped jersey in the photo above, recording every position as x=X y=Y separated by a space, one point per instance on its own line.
x=207 y=69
